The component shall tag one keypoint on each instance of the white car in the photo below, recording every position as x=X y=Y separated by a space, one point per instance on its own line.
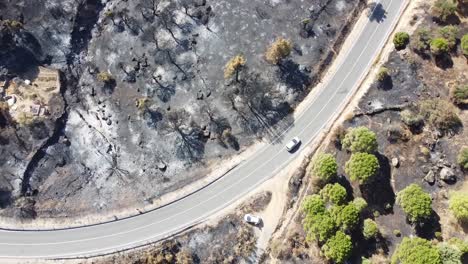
x=293 y=144
x=251 y=219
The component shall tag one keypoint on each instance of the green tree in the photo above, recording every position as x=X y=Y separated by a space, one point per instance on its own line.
x=313 y=205
x=439 y=46
x=449 y=254
x=370 y=229
x=464 y=44
x=416 y=203
x=279 y=50
x=360 y=139
x=319 y=227
x=450 y=34
x=462 y=158
x=416 y=251
x=400 y=40
x=334 y=193
x=421 y=40
x=347 y=216
x=338 y=248
x=458 y=204
x=360 y=203
x=362 y=167
x=325 y=167
x=443 y=9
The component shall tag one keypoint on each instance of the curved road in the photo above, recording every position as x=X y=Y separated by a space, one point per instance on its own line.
x=155 y=225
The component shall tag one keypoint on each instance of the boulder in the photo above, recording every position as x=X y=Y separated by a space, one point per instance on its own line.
x=395 y=162
x=448 y=175
x=430 y=177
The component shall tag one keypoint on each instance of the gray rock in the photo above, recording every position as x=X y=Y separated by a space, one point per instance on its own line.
x=448 y=175
x=395 y=162
x=430 y=177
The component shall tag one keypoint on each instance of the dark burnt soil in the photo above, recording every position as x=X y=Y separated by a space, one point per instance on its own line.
x=166 y=117
x=231 y=240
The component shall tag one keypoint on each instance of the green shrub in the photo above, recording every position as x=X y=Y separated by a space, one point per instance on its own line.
x=360 y=139
x=411 y=119
x=459 y=94
x=449 y=254
x=370 y=229
x=416 y=251
x=439 y=46
x=338 y=248
x=464 y=44
x=347 y=216
x=458 y=204
x=325 y=167
x=334 y=193
x=319 y=227
x=362 y=167
x=360 y=203
x=421 y=40
x=460 y=244
x=462 y=158
x=416 y=203
x=313 y=205
x=443 y=9
x=400 y=40
x=440 y=114
x=450 y=34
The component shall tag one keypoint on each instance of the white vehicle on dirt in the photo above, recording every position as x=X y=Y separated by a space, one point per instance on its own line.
x=252 y=219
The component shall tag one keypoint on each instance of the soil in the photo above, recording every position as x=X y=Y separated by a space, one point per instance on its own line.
x=146 y=110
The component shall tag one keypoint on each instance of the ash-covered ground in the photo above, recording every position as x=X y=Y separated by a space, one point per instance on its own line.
x=145 y=107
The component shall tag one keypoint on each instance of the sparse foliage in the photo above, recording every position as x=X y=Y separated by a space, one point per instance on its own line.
x=105 y=77
x=458 y=204
x=362 y=167
x=383 y=74
x=279 y=50
x=440 y=114
x=400 y=40
x=416 y=203
x=360 y=139
x=459 y=94
x=449 y=33
x=449 y=254
x=411 y=119
x=233 y=66
x=443 y=9
x=338 y=248
x=324 y=167
x=421 y=40
x=416 y=251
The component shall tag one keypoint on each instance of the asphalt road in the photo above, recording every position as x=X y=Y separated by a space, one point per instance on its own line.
x=104 y=238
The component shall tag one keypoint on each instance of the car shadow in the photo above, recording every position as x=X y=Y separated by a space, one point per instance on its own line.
x=296 y=148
